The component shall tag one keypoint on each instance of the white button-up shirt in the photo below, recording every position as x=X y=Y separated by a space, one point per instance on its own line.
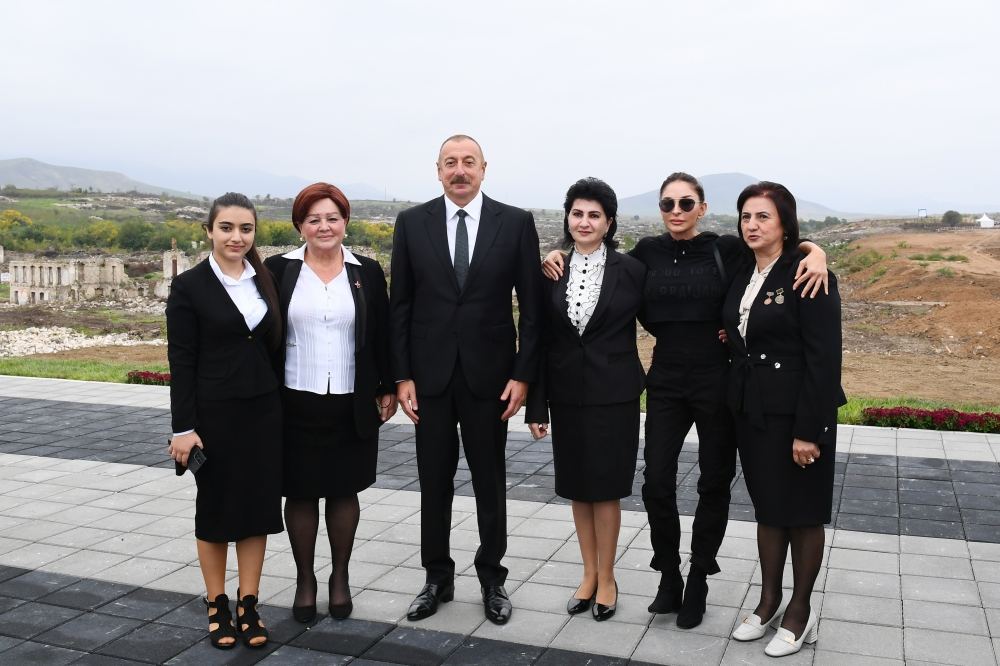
x=243 y=292
x=319 y=343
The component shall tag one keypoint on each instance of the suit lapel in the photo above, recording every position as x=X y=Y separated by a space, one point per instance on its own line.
x=288 y=279
x=437 y=231
x=559 y=296
x=360 y=307
x=608 y=285
x=490 y=222
x=219 y=289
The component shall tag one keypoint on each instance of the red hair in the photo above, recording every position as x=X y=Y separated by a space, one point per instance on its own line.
x=317 y=192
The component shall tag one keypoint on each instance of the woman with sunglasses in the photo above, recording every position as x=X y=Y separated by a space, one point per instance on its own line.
x=688 y=275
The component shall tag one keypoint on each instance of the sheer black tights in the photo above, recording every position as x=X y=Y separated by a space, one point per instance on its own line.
x=302 y=523
x=807 y=556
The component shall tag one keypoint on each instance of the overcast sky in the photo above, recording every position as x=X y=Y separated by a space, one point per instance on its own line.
x=857 y=105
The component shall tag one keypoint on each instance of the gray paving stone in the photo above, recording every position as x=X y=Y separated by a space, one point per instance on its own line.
x=949 y=591
x=32 y=618
x=294 y=656
x=931 y=565
x=30 y=652
x=154 y=642
x=89 y=631
x=679 y=647
x=947 y=648
x=944 y=617
x=752 y=654
x=828 y=658
x=862 y=639
x=860 y=560
x=990 y=594
x=866 y=610
x=863 y=583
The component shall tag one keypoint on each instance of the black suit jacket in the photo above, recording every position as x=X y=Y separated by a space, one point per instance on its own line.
x=371 y=332
x=601 y=366
x=790 y=361
x=212 y=353
x=434 y=323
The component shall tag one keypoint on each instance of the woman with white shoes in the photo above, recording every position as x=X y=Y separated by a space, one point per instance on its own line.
x=784 y=391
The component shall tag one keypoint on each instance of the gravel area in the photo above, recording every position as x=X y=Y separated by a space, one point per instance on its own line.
x=45 y=340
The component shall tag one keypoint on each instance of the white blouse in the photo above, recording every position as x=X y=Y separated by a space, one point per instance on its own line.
x=583 y=288
x=319 y=343
x=243 y=292
x=757 y=278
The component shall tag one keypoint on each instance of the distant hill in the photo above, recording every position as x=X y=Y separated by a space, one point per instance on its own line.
x=32 y=174
x=721 y=191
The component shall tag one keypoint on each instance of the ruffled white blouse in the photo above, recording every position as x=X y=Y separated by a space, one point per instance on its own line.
x=583 y=288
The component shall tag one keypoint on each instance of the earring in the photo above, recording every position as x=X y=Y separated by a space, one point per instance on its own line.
x=785 y=237
x=301 y=239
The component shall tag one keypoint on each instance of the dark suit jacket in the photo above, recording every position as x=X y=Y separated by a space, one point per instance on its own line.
x=212 y=353
x=434 y=323
x=601 y=366
x=790 y=361
x=371 y=332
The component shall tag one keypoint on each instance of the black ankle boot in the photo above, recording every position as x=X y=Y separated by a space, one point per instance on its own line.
x=668 y=594
x=695 y=593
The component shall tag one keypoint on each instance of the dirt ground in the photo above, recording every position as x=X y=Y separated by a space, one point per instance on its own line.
x=141 y=356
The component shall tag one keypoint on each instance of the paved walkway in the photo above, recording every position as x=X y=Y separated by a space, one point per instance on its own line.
x=97 y=559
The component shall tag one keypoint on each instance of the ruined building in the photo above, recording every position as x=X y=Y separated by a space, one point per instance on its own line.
x=70 y=280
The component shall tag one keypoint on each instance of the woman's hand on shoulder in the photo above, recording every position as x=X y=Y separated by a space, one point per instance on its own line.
x=181 y=445
x=552 y=264
x=812 y=272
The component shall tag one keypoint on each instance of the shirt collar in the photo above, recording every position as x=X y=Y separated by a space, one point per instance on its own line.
x=474 y=208
x=248 y=271
x=300 y=254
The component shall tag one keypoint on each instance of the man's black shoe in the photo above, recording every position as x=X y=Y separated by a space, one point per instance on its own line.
x=496 y=604
x=426 y=603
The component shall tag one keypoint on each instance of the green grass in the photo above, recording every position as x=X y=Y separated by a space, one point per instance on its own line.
x=937 y=256
x=95 y=371
x=944 y=271
x=846 y=259
x=851 y=412
x=4 y=291
x=878 y=273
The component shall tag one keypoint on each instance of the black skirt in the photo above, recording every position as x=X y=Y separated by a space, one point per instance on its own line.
x=784 y=494
x=324 y=456
x=239 y=486
x=595 y=448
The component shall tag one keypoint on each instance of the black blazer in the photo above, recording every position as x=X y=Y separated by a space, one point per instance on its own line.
x=371 y=332
x=790 y=361
x=212 y=353
x=602 y=366
x=434 y=323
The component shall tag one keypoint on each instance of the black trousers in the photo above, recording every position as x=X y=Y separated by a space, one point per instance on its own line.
x=680 y=394
x=484 y=438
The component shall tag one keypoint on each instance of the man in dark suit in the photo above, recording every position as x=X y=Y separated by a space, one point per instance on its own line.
x=455 y=261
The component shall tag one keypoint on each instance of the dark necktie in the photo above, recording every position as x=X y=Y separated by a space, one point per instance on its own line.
x=461 y=249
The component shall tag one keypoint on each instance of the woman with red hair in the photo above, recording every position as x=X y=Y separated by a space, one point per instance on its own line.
x=337 y=390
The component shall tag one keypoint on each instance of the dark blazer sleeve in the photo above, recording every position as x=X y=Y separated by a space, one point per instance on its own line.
x=400 y=303
x=379 y=309
x=820 y=394
x=182 y=355
x=536 y=407
x=528 y=286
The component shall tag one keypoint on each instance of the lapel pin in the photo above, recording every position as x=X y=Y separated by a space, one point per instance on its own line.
x=767 y=301
x=780 y=298
x=357 y=284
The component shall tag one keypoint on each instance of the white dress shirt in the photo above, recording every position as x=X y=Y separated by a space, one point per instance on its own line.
x=757 y=278
x=243 y=292
x=319 y=343
x=475 y=211
x=583 y=288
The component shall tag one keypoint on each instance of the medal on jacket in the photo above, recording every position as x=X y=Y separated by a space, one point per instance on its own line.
x=357 y=284
x=767 y=301
x=780 y=298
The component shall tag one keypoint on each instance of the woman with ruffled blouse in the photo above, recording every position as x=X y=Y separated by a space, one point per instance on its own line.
x=590 y=383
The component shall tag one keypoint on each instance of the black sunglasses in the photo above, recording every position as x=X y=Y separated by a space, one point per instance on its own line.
x=686 y=204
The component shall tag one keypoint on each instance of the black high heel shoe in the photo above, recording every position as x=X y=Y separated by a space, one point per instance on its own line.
x=693 y=607
x=602 y=612
x=249 y=622
x=223 y=619
x=339 y=611
x=669 y=594
x=576 y=606
x=307 y=612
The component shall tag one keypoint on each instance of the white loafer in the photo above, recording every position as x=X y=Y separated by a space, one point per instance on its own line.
x=784 y=642
x=752 y=627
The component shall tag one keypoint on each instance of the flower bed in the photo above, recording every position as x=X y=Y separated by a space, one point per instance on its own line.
x=145 y=377
x=931 y=419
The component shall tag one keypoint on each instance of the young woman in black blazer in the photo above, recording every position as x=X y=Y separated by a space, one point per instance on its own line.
x=223 y=335
x=784 y=392
x=591 y=380
x=337 y=390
